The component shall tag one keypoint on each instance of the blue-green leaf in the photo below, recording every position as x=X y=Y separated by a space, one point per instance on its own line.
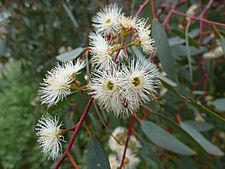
x=164 y=139
x=96 y=157
x=209 y=147
x=73 y=54
x=219 y=104
x=71 y=16
x=222 y=42
x=200 y=126
x=137 y=51
x=168 y=81
x=195 y=103
x=190 y=39
x=164 y=52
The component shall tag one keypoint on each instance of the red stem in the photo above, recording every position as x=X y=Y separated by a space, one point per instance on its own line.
x=72 y=161
x=167 y=19
x=201 y=59
x=141 y=8
x=153 y=9
x=116 y=55
x=128 y=138
x=151 y=56
x=199 y=19
x=205 y=10
x=76 y=131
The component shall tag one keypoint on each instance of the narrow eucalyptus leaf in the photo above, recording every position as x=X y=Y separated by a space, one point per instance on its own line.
x=219 y=104
x=96 y=157
x=73 y=54
x=222 y=42
x=165 y=140
x=200 y=126
x=71 y=16
x=209 y=147
x=164 y=52
x=195 y=103
x=168 y=81
x=137 y=51
x=190 y=39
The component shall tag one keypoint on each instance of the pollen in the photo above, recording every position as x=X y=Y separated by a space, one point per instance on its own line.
x=108 y=21
x=137 y=81
x=109 y=85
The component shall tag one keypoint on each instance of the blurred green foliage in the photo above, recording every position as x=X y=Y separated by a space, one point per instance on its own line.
x=37 y=31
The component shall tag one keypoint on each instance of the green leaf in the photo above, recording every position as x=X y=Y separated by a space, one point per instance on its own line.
x=222 y=42
x=71 y=16
x=164 y=139
x=182 y=35
x=185 y=135
x=168 y=81
x=137 y=51
x=219 y=104
x=73 y=54
x=163 y=50
x=184 y=162
x=200 y=126
x=2 y=46
x=187 y=40
x=176 y=41
x=147 y=152
x=181 y=50
x=96 y=157
x=209 y=147
x=196 y=104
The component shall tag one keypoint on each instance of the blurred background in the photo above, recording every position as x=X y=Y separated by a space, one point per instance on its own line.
x=34 y=32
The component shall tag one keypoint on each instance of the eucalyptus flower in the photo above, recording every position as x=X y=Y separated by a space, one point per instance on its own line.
x=143 y=32
x=117 y=141
x=140 y=82
x=106 y=89
x=101 y=51
x=131 y=161
x=107 y=19
x=50 y=137
x=58 y=82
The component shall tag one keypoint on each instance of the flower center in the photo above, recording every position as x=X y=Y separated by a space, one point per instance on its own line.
x=108 y=21
x=59 y=134
x=137 y=81
x=109 y=85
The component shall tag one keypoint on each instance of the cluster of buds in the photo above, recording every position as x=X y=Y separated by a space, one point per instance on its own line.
x=120 y=81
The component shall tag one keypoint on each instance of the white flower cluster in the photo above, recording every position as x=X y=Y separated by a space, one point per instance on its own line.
x=109 y=23
x=131 y=160
x=121 y=88
x=50 y=135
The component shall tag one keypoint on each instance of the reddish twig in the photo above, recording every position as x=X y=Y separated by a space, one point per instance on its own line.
x=180 y=109
x=116 y=55
x=199 y=19
x=141 y=8
x=70 y=157
x=76 y=131
x=197 y=84
x=151 y=56
x=201 y=59
x=204 y=12
x=153 y=9
x=128 y=138
x=167 y=19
